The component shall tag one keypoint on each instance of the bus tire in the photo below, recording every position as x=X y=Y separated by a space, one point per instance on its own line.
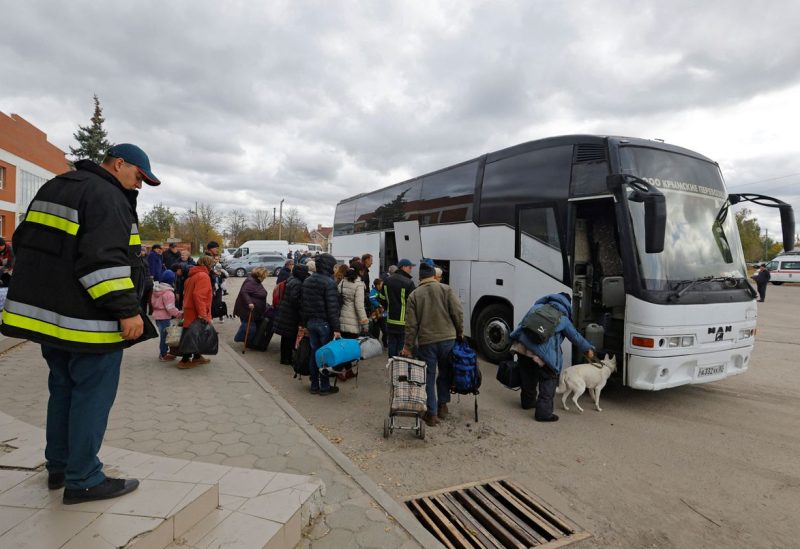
x=777 y=283
x=492 y=329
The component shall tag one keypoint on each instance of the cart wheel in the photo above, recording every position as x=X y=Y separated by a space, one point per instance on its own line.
x=421 y=430
x=387 y=427
x=476 y=409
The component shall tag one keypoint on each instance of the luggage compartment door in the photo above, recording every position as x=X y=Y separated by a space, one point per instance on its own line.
x=409 y=244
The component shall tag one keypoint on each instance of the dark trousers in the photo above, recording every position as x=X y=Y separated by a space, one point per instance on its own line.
x=163 y=348
x=437 y=387
x=82 y=390
x=287 y=346
x=762 y=291
x=319 y=333
x=395 y=341
x=532 y=375
x=377 y=329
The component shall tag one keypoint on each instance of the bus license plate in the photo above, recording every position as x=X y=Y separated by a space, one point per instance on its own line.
x=708 y=371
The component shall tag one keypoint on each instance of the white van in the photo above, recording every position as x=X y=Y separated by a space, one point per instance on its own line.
x=784 y=268
x=262 y=246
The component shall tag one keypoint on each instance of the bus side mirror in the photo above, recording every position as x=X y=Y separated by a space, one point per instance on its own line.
x=787 y=224
x=655 y=208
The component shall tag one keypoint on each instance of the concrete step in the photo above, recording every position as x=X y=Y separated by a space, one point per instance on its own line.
x=179 y=503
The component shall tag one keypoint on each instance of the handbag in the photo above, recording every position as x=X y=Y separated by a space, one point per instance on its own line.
x=174 y=332
x=263 y=335
x=508 y=374
x=200 y=338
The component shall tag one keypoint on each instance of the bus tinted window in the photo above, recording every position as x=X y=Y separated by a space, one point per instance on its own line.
x=540 y=175
x=539 y=243
x=446 y=196
x=344 y=218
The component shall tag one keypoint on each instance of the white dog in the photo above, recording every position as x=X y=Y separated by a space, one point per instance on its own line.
x=576 y=379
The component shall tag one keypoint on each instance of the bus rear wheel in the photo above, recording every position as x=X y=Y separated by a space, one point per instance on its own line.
x=492 y=329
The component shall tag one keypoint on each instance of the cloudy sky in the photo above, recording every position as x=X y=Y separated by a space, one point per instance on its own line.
x=243 y=103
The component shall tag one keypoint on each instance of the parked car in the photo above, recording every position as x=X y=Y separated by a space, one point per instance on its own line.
x=243 y=266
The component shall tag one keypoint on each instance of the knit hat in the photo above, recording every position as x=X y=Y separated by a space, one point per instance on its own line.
x=168 y=277
x=426 y=271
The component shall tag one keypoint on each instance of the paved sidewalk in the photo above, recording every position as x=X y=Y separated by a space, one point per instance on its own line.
x=218 y=413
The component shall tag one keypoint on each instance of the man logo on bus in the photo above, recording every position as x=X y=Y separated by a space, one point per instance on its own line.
x=720 y=332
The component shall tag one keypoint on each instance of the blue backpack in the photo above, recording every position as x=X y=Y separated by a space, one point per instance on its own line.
x=466 y=374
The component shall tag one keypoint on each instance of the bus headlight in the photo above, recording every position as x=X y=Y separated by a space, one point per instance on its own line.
x=746 y=333
x=674 y=341
x=687 y=341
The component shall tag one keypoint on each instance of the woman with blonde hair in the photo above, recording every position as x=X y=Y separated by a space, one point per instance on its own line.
x=197 y=304
x=252 y=298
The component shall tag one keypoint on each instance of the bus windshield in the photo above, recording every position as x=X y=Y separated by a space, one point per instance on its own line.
x=697 y=244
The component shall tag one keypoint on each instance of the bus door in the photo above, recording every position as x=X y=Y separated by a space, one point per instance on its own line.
x=597 y=279
x=409 y=244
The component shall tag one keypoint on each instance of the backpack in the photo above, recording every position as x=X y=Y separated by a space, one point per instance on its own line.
x=277 y=294
x=541 y=324
x=302 y=356
x=466 y=374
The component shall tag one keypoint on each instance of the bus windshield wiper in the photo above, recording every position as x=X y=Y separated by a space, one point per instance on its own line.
x=691 y=283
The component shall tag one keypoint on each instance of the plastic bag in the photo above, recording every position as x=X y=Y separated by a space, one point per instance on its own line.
x=199 y=338
x=174 y=332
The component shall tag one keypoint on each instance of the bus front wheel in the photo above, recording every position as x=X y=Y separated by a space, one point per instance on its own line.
x=492 y=329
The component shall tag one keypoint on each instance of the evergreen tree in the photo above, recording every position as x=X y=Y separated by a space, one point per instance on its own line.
x=92 y=142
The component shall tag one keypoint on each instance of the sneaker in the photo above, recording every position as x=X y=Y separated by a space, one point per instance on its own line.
x=200 y=360
x=330 y=391
x=55 y=481
x=430 y=420
x=443 y=411
x=109 y=488
x=551 y=418
x=166 y=358
x=186 y=364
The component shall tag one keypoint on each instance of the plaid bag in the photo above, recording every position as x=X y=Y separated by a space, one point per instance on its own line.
x=408 y=384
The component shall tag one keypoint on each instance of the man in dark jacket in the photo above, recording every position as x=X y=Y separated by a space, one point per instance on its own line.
x=320 y=316
x=287 y=321
x=541 y=363
x=285 y=272
x=171 y=255
x=87 y=219
x=762 y=279
x=155 y=261
x=397 y=289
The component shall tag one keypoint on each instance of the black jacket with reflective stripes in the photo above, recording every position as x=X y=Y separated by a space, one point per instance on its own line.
x=77 y=267
x=397 y=288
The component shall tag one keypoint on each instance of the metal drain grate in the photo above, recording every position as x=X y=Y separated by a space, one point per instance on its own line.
x=495 y=513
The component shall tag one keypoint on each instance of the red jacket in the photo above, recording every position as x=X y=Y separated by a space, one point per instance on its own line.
x=197 y=296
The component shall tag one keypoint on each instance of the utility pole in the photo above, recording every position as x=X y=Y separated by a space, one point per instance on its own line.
x=280 y=220
x=766 y=237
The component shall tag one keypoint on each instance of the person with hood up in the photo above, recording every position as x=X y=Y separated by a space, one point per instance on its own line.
x=320 y=316
x=287 y=320
x=541 y=363
x=252 y=297
x=197 y=304
x=162 y=301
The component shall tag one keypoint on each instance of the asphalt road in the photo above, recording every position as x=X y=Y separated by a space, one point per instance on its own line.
x=711 y=465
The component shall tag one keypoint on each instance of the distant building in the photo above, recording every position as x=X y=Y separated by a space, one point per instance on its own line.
x=322 y=236
x=27 y=161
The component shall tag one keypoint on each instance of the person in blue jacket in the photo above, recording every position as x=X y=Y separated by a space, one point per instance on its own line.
x=541 y=363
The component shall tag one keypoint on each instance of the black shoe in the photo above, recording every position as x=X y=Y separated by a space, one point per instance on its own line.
x=55 y=481
x=314 y=390
x=551 y=418
x=330 y=391
x=528 y=406
x=109 y=488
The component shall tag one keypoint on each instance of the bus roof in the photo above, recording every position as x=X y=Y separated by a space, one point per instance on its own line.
x=536 y=144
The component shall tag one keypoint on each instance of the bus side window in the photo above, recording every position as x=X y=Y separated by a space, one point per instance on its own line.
x=538 y=241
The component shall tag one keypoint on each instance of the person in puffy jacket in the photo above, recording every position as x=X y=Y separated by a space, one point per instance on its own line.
x=287 y=320
x=162 y=301
x=197 y=304
x=320 y=316
x=353 y=317
x=252 y=298
x=541 y=363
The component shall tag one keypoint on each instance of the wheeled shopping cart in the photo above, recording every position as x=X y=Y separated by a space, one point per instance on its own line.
x=408 y=395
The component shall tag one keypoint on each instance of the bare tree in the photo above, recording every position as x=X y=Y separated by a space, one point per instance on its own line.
x=261 y=223
x=294 y=228
x=201 y=225
x=236 y=225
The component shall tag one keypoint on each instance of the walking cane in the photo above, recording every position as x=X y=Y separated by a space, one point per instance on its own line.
x=247 y=331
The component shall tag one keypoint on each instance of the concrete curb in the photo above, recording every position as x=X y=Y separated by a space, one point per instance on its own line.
x=8 y=343
x=399 y=513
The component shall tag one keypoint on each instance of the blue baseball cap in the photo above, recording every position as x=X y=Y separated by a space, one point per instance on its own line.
x=405 y=263
x=136 y=156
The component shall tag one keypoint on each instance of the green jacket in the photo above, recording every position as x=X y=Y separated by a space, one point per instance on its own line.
x=433 y=314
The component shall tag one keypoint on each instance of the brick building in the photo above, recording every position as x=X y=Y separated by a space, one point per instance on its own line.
x=27 y=161
x=322 y=236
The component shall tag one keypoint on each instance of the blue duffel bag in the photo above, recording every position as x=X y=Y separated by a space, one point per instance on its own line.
x=337 y=353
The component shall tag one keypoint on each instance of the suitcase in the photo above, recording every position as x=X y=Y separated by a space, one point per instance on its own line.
x=337 y=352
x=262 y=337
x=370 y=347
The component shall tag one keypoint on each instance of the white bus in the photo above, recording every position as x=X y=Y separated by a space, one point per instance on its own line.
x=637 y=231
x=784 y=268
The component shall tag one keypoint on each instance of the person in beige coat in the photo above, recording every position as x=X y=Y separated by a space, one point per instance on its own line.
x=353 y=317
